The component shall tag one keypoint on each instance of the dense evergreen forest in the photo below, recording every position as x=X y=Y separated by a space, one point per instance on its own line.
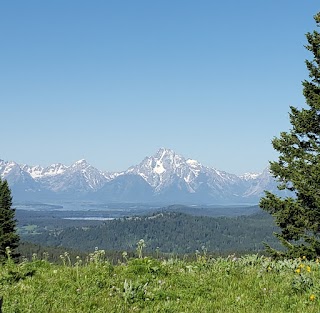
x=163 y=231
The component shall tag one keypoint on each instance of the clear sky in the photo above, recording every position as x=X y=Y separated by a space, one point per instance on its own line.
x=113 y=81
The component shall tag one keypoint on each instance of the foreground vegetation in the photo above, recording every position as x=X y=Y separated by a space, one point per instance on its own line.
x=297 y=169
x=248 y=284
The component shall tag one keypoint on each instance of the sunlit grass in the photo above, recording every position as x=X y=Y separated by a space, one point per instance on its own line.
x=247 y=284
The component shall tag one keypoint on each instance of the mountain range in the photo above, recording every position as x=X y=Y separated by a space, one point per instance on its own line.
x=165 y=177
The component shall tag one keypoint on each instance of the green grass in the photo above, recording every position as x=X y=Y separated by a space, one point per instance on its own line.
x=29 y=229
x=247 y=284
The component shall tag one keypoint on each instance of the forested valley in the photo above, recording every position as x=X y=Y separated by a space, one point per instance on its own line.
x=164 y=231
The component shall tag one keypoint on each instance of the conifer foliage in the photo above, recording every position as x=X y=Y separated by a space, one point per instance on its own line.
x=298 y=168
x=8 y=235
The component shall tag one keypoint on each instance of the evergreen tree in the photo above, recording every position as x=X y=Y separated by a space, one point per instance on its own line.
x=8 y=235
x=298 y=168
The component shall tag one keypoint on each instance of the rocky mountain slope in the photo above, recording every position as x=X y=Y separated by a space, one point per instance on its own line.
x=164 y=177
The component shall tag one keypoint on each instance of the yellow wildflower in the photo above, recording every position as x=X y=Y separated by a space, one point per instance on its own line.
x=312 y=297
x=269 y=268
x=301 y=265
x=298 y=270
x=308 y=269
x=304 y=257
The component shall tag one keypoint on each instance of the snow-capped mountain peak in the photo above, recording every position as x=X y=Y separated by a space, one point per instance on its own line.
x=38 y=172
x=164 y=152
x=81 y=164
x=166 y=169
x=159 y=168
x=55 y=169
x=7 y=167
x=34 y=171
x=164 y=176
x=250 y=176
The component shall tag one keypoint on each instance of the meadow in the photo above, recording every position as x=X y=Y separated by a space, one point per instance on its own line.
x=250 y=283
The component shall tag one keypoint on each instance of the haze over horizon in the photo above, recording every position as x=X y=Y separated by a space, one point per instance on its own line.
x=113 y=81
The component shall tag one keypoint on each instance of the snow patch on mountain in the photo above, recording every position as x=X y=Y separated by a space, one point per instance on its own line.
x=7 y=167
x=164 y=176
x=250 y=176
x=38 y=172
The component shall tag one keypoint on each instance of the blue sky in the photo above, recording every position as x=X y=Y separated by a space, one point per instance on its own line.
x=113 y=81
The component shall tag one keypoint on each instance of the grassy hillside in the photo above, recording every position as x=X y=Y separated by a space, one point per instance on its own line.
x=246 y=284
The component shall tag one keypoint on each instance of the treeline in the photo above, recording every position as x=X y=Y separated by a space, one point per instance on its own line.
x=167 y=232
